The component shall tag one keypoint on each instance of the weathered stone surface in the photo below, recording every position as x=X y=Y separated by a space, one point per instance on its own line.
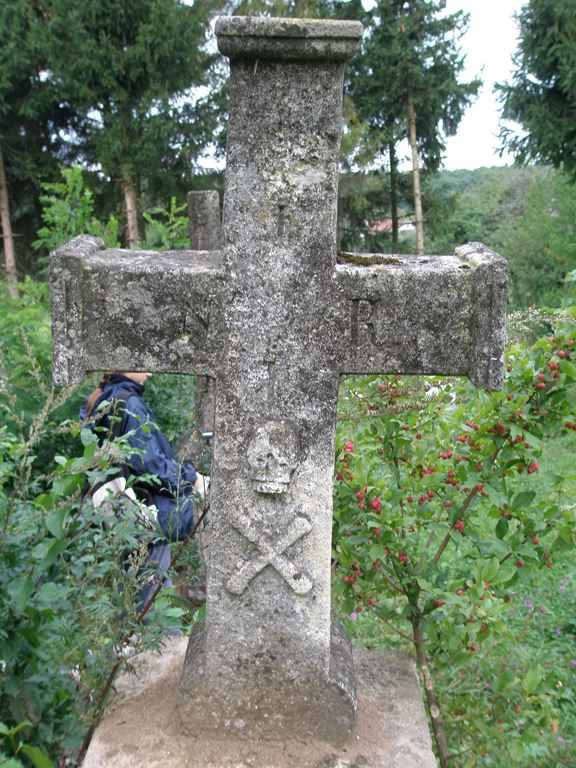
x=133 y=310
x=302 y=39
x=204 y=219
x=276 y=320
x=204 y=227
x=142 y=727
x=423 y=314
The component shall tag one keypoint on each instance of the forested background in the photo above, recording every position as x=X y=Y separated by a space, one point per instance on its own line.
x=454 y=509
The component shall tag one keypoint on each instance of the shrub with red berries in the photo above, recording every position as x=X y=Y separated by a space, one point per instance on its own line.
x=439 y=502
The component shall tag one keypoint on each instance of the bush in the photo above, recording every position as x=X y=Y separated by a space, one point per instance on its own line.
x=444 y=512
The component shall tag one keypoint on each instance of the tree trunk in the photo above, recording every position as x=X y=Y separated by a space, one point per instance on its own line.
x=131 y=213
x=393 y=191
x=8 y=239
x=416 y=177
x=431 y=698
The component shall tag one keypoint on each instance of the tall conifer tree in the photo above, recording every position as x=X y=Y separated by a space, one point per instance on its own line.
x=30 y=116
x=129 y=67
x=542 y=94
x=405 y=83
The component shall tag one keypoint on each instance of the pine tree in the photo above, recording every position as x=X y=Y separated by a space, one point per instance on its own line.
x=30 y=115
x=129 y=67
x=405 y=84
x=542 y=94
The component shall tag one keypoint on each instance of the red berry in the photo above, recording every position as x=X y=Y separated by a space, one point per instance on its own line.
x=541 y=376
x=459 y=592
x=359 y=495
x=376 y=531
x=459 y=525
x=358 y=572
x=519 y=563
x=533 y=468
x=418 y=436
x=349 y=446
x=549 y=564
x=404 y=427
x=438 y=603
x=479 y=486
x=349 y=579
x=376 y=504
x=473 y=647
x=539 y=385
x=410 y=499
x=535 y=541
x=339 y=476
x=403 y=557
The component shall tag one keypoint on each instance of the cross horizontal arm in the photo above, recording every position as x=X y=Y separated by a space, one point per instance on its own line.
x=133 y=310
x=424 y=314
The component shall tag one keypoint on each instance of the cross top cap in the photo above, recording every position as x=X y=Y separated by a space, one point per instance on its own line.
x=248 y=37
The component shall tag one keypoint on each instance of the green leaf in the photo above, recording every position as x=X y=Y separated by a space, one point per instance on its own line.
x=87 y=436
x=502 y=527
x=523 y=500
x=37 y=757
x=490 y=569
x=5 y=731
x=568 y=368
x=532 y=680
x=10 y=762
x=516 y=751
x=55 y=522
x=20 y=589
x=49 y=592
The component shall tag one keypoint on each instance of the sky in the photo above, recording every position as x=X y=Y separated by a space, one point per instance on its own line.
x=488 y=45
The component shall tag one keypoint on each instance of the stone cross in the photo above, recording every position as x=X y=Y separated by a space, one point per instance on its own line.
x=276 y=318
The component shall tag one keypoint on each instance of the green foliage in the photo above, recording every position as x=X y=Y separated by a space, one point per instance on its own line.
x=526 y=214
x=69 y=573
x=128 y=68
x=70 y=576
x=410 y=50
x=444 y=512
x=167 y=229
x=542 y=94
x=540 y=243
x=10 y=737
x=68 y=210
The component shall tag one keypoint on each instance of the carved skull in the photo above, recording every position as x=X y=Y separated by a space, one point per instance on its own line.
x=272 y=456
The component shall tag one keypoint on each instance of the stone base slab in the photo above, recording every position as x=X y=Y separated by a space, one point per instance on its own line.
x=143 y=727
x=262 y=705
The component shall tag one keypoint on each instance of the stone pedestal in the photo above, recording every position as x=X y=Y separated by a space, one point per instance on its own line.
x=143 y=727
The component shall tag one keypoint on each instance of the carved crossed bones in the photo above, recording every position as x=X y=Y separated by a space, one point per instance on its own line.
x=271 y=554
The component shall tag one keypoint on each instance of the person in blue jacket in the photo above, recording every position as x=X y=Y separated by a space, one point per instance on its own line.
x=117 y=408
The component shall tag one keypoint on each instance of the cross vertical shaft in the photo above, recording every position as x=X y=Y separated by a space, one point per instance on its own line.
x=277 y=392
